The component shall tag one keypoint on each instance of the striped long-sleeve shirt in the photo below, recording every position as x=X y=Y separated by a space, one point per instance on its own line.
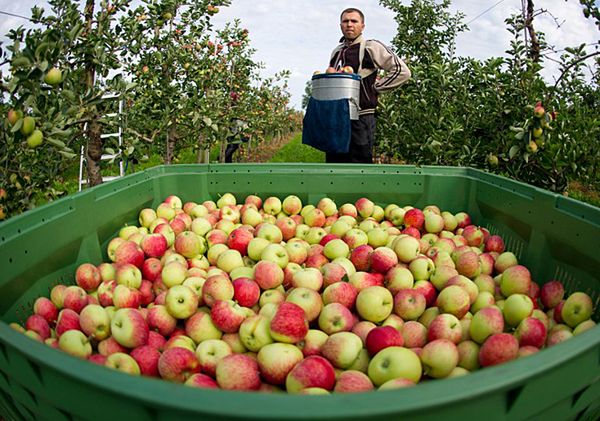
x=376 y=56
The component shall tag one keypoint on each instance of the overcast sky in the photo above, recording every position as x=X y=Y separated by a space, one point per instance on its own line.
x=299 y=35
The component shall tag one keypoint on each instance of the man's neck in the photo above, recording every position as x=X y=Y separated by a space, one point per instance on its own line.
x=352 y=41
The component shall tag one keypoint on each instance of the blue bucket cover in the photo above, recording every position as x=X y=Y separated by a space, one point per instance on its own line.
x=326 y=125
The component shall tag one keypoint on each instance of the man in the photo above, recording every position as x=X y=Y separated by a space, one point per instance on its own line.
x=365 y=57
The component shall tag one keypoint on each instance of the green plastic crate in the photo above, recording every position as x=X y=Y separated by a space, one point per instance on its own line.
x=556 y=237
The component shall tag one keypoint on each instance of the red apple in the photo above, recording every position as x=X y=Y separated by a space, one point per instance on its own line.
x=498 y=348
x=178 y=364
x=382 y=337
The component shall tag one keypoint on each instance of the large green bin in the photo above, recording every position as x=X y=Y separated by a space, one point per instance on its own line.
x=556 y=237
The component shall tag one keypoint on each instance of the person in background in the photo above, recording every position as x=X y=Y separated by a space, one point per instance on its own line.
x=366 y=57
x=236 y=137
x=237 y=132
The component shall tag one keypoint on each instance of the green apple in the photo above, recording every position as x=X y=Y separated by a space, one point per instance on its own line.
x=486 y=322
x=28 y=125
x=374 y=303
x=255 y=332
x=394 y=362
x=276 y=360
x=181 y=301
x=53 y=76
x=336 y=248
x=230 y=260
x=76 y=343
x=95 y=321
x=35 y=139
x=439 y=358
x=577 y=308
x=342 y=348
x=123 y=362
x=407 y=248
x=209 y=352
x=517 y=307
x=200 y=327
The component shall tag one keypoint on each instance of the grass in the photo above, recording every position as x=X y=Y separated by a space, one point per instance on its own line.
x=584 y=193
x=295 y=151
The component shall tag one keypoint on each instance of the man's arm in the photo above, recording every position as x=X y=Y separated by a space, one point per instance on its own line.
x=397 y=72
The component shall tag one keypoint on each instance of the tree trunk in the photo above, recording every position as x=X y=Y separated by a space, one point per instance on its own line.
x=534 y=51
x=171 y=139
x=93 y=153
x=222 y=148
x=94 y=142
x=203 y=155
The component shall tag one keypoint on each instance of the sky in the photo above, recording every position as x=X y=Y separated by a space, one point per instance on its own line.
x=299 y=35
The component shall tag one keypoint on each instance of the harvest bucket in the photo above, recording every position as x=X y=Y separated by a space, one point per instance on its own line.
x=330 y=86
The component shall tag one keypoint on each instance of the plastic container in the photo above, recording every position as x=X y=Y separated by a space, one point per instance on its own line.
x=556 y=237
x=329 y=86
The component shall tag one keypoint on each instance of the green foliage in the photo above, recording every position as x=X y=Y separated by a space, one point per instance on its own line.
x=466 y=112
x=59 y=43
x=182 y=84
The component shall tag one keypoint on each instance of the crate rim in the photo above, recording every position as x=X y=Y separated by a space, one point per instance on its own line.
x=158 y=392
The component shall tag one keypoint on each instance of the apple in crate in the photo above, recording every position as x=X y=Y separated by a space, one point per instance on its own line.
x=311 y=372
x=95 y=322
x=129 y=328
x=227 y=315
x=439 y=358
x=201 y=381
x=578 y=307
x=392 y=363
x=76 y=343
x=335 y=317
x=353 y=381
x=289 y=324
x=38 y=324
x=276 y=360
x=200 y=327
x=87 y=276
x=342 y=349
x=374 y=303
x=209 y=352
x=178 y=364
x=498 y=349
x=313 y=342
x=147 y=359
x=123 y=362
x=238 y=372
x=382 y=337
x=45 y=308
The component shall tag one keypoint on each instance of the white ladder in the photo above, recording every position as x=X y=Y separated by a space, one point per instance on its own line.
x=107 y=157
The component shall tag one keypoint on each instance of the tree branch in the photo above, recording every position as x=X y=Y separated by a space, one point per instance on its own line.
x=566 y=70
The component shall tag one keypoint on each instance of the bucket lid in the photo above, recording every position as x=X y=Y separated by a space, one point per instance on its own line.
x=354 y=76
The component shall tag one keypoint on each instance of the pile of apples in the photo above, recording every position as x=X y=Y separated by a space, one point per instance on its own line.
x=345 y=69
x=275 y=295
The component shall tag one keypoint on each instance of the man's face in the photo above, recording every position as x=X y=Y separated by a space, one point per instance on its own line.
x=352 y=25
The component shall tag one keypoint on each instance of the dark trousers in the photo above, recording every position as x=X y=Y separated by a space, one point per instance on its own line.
x=361 y=143
x=232 y=146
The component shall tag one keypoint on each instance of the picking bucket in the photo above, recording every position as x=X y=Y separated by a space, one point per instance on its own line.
x=330 y=86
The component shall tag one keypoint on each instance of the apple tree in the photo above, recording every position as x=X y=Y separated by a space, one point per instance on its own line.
x=59 y=70
x=187 y=75
x=467 y=112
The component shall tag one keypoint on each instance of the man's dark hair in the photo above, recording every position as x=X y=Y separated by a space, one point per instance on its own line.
x=352 y=9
